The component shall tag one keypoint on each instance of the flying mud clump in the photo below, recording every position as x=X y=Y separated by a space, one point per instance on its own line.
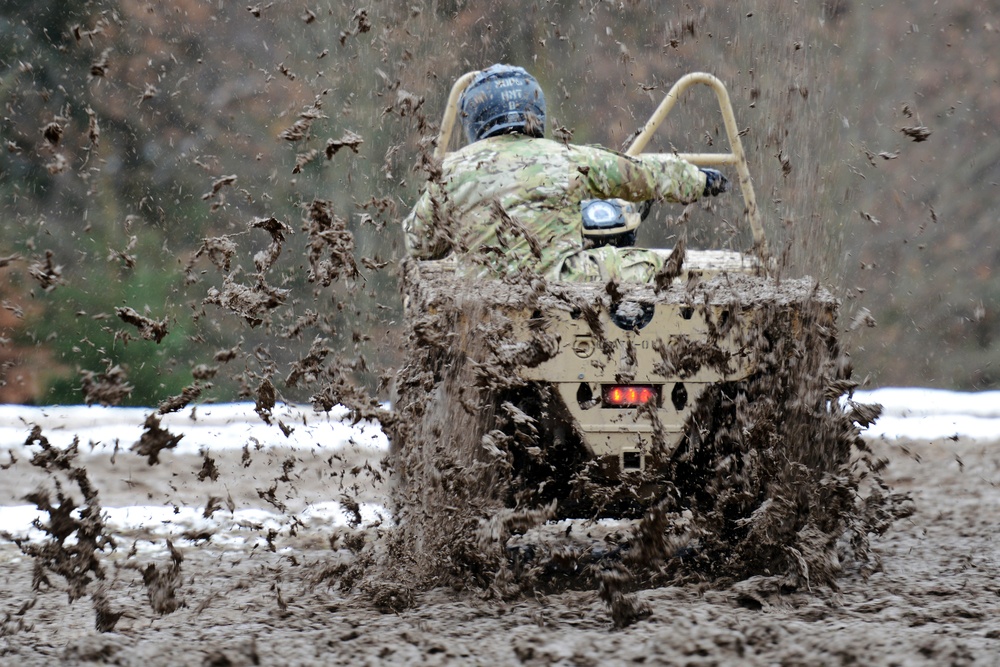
x=76 y=534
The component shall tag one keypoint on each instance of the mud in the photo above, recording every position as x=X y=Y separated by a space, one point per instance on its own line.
x=772 y=478
x=929 y=596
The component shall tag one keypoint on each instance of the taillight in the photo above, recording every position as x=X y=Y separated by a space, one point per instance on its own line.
x=629 y=395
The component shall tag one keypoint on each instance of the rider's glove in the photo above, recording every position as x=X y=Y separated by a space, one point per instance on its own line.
x=715 y=183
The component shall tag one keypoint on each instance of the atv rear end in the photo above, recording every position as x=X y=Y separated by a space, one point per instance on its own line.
x=713 y=393
x=616 y=381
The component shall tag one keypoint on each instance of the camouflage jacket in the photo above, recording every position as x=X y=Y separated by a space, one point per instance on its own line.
x=512 y=201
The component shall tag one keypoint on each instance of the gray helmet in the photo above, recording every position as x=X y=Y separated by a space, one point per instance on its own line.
x=502 y=100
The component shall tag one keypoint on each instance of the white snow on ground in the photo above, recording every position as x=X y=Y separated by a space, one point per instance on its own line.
x=215 y=427
x=933 y=414
x=150 y=524
x=212 y=427
x=911 y=413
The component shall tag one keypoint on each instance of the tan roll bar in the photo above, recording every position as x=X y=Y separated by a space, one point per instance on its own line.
x=451 y=112
x=736 y=157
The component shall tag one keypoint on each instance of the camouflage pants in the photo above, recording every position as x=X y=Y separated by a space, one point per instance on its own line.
x=631 y=265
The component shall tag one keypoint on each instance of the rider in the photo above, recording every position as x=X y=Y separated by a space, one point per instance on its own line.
x=511 y=199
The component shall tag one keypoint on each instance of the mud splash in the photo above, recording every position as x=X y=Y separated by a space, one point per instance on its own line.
x=771 y=479
x=75 y=533
x=771 y=488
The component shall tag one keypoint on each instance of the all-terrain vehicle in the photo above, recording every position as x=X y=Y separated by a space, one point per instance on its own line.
x=711 y=394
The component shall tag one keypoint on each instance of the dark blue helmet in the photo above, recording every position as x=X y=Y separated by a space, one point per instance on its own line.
x=502 y=100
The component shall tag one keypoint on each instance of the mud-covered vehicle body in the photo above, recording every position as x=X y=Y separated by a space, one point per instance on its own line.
x=703 y=391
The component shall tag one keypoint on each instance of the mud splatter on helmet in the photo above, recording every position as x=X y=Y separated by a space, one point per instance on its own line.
x=503 y=99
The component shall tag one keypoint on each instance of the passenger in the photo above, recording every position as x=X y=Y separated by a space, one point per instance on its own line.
x=511 y=199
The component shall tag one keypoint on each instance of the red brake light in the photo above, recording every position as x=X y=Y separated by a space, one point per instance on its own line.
x=629 y=395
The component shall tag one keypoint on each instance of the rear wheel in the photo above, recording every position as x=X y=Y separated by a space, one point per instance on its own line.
x=764 y=468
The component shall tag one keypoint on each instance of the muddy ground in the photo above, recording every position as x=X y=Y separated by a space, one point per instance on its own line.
x=935 y=600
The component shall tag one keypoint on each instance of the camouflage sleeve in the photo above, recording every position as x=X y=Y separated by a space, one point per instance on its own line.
x=422 y=237
x=608 y=174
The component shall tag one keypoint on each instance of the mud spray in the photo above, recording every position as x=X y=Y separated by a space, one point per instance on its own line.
x=771 y=484
x=76 y=560
x=771 y=479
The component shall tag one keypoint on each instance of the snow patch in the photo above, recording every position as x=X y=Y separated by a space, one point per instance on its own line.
x=915 y=413
x=204 y=427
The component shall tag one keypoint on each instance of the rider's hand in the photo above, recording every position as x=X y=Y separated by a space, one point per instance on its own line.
x=715 y=183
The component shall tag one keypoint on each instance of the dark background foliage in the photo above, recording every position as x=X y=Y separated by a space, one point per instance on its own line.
x=143 y=140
